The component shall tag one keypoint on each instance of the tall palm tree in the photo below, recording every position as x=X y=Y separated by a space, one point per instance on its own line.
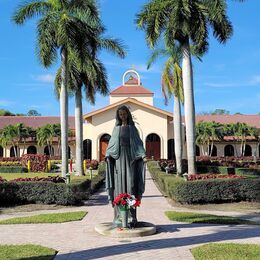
x=186 y=22
x=10 y=134
x=172 y=85
x=90 y=76
x=64 y=25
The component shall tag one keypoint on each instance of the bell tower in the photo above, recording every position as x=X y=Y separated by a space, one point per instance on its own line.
x=131 y=88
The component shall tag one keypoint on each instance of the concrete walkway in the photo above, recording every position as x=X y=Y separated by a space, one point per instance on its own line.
x=78 y=240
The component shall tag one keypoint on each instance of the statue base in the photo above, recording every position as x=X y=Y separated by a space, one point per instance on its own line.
x=141 y=229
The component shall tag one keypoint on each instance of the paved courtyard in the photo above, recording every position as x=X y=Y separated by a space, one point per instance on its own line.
x=78 y=240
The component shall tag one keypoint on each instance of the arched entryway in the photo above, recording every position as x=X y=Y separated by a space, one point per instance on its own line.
x=87 y=149
x=197 y=150
x=103 y=143
x=12 y=151
x=48 y=151
x=214 y=151
x=153 y=146
x=32 y=150
x=248 y=150
x=171 y=152
x=229 y=150
x=1 y=151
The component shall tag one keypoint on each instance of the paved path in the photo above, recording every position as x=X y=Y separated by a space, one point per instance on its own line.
x=78 y=240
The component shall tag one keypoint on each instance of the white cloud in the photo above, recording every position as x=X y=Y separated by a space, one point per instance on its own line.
x=255 y=80
x=6 y=103
x=46 y=78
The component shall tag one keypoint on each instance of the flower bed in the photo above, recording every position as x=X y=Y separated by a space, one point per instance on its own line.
x=195 y=177
x=91 y=163
x=237 y=162
x=38 y=162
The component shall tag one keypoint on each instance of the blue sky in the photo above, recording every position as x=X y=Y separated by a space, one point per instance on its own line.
x=228 y=77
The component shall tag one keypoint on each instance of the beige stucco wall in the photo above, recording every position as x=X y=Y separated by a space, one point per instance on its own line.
x=146 y=120
x=147 y=99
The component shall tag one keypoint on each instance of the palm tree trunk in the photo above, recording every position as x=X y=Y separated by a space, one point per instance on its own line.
x=211 y=149
x=79 y=131
x=64 y=113
x=189 y=107
x=178 y=135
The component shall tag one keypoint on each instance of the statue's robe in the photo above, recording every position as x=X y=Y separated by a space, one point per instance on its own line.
x=125 y=167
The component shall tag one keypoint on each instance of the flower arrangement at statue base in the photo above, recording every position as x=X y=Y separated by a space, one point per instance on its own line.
x=125 y=202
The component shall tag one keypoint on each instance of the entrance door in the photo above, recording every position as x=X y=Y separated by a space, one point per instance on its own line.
x=153 y=147
x=103 y=146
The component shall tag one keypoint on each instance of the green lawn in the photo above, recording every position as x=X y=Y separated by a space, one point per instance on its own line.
x=191 y=217
x=226 y=251
x=31 y=252
x=11 y=176
x=46 y=218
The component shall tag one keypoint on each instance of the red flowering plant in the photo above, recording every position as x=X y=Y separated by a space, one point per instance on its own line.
x=126 y=201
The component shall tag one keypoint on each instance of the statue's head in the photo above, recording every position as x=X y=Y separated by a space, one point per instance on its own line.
x=123 y=112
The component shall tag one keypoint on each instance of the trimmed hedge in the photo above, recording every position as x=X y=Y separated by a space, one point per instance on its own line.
x=227 y=170
x=12 y=169
x=205 y=191
x=49 y=193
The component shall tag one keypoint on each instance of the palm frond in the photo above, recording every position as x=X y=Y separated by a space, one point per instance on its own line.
x=30 y=10
x=113 y=45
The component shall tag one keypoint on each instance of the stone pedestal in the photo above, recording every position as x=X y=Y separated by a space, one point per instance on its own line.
x=142 y=229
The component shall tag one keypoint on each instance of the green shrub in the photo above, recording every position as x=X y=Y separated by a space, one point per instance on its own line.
x=206 y=191
x=12 y=169
x=216 y=169
x=49 y=193
x=247 y=171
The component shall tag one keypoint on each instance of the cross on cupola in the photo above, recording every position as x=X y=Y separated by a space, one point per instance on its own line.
x=131 y=88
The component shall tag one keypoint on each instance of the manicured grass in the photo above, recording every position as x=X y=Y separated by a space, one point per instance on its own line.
x=226 y=251
x=26 y=252
x=46 y=218
x=191 y=217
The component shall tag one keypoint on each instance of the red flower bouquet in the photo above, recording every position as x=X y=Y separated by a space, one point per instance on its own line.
x=127 y=201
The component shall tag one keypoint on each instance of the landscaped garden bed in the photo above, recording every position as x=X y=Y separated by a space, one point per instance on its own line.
x=205 y=191
x=48 y=191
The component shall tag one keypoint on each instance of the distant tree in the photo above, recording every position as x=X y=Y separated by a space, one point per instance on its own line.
x=4 y=112
x=220 y=111
x=238 y=113
x=33 y=112
x=20 y=114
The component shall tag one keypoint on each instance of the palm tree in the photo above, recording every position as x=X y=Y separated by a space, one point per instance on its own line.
x=46 y=134
x=207 y=133
x=186 y=22
x=10 y=135
x=90 y=74
x=172 y=85
x=65 y=25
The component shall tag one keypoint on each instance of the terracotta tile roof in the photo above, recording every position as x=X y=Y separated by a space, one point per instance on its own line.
x=34 y=121
x=131 y=87
x=252 y=120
